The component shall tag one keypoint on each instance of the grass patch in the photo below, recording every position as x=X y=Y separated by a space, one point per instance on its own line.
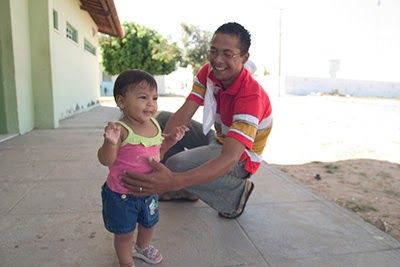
x=363 y=174
x=368 y=221
x=284 y=170
x=331 y=168
x=392 y=193
x=384 y=175
x=359 y=207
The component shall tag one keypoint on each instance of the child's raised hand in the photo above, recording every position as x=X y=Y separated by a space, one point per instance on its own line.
x=112 y=133
x=177 y=133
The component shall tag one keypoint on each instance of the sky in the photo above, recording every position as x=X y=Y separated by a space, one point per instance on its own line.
x=299 y=37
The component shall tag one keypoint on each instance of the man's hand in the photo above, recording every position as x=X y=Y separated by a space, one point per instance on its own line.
x=176 y=133
x=144 y=184
x=171 y=138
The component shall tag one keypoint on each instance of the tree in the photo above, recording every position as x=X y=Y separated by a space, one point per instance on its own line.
x=196 y=43
x=140 y=48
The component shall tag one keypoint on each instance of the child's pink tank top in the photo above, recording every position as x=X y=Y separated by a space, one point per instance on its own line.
x=134 y=155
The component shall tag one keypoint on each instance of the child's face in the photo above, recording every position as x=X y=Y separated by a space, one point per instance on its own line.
x=139 y=102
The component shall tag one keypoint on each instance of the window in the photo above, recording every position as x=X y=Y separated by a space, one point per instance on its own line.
x=55 y=19
x=89 y=47
x=72 y=33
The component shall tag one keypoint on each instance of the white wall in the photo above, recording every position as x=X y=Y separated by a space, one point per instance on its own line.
x=178 y=82
x=305 y=86
x=75 y=71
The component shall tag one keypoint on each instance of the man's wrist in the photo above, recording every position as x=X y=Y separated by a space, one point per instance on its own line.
x=179 y=181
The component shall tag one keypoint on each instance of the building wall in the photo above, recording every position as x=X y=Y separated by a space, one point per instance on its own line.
x=41 y=67
x=178 y=82
x=8 y=99
x=76 y=78
x=44 y=76
x=22 y=64
x=308 y=85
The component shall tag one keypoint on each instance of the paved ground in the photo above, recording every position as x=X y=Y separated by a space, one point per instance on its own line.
x=50 y=214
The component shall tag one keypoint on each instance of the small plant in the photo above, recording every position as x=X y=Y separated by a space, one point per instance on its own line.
x=359 y=207
x=392 y=193
x=331 y=168
x=383 y=175
x=363 y=174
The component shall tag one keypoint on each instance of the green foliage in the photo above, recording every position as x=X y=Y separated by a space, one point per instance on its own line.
x=140 y=48
x=392 y=193
x=331 y=168
x=359 y=207
x=196 y=43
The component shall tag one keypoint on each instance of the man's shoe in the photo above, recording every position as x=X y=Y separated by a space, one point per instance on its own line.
x=248 y=188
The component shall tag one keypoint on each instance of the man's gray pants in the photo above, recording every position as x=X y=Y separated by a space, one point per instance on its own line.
x=223 y=193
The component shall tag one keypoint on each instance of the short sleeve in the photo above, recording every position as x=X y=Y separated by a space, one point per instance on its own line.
x=199 y=85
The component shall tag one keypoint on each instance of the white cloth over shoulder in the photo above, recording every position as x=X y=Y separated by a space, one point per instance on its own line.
x=250 y=66
x=210 y=104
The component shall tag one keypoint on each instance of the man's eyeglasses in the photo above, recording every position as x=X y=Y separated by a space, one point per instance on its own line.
x=227 y=55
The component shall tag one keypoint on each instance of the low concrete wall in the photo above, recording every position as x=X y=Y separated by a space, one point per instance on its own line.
x=305 y=86
x=178 y=82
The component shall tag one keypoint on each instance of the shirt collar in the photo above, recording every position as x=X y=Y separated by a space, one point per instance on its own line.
x=235 y=86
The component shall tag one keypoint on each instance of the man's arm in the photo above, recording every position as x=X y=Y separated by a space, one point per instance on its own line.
x=172 y=138
x=221 y=165
x=230 y=153
x=182 y=116
x=163 y=180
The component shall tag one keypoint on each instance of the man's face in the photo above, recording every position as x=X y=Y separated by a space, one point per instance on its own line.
x=225 y=58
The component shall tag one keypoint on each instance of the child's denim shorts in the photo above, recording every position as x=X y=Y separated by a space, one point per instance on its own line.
x=121 y=212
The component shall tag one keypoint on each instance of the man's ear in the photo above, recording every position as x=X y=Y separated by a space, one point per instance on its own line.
x=120 y=101
x=245 y=57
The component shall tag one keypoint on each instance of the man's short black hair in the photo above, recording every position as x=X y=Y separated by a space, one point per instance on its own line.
x=234 y=28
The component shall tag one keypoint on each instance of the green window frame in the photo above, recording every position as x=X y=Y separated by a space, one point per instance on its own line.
x=89 y=47
x=71 y=33
x=55 y=19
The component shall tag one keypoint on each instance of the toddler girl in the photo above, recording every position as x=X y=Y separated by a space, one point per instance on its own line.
x=128 y=145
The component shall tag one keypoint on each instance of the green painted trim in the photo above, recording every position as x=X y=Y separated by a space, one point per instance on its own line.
x=3 y=118
x=42 y=81
x=8 y=97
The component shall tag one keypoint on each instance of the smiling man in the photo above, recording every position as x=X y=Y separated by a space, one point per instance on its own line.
x=215 y=166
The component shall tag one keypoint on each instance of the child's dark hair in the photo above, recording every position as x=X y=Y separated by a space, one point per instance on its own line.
x=132 y=78
x=234 y=28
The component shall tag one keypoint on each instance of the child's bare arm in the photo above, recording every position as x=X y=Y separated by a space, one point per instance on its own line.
x=112 y=140
x=172 y=138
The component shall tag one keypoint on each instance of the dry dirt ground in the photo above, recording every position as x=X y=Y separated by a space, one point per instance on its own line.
x=370 y=188
x=345 y=149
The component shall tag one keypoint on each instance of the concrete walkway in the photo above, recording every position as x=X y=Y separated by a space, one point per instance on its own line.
x=51 y=214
